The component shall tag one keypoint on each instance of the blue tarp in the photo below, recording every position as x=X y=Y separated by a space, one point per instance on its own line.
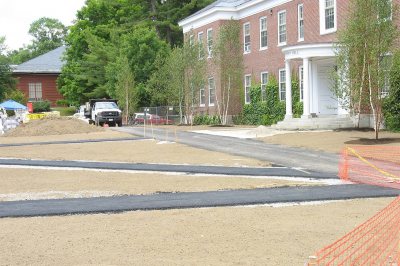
x=12 y=105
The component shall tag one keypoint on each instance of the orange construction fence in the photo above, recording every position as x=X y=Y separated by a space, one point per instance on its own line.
x=375 y=242
x=373 y=165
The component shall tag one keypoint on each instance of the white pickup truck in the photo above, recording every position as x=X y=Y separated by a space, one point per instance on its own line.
x=103 y=111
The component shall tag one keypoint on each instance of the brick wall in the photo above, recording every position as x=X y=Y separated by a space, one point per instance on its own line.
x=49 y=85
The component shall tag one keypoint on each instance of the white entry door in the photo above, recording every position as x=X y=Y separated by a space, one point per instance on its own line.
x=327 y=101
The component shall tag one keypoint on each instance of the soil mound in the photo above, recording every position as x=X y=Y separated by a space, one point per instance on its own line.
x=53 y=126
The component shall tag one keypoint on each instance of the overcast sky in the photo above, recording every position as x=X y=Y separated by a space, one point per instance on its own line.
x=17 y=15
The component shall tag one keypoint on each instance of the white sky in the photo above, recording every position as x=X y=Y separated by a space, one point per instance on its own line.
x=17 y=15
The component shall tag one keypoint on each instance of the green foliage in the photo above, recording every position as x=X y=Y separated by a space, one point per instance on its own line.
x=370 y=33
x=206 y=120
x=65 y=111
x=391 y=107
x=228 y=59
x=106 y=30
x=42 y=106
x=62 y=102
x=7 y=82
x=272 y=110
x=17 y=96
x=297 y=105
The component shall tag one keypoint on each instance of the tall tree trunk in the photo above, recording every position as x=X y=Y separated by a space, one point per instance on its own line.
x=361 y=85
x=371 y=101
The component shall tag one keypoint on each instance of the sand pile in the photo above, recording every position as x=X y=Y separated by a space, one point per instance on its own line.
x=53 y=126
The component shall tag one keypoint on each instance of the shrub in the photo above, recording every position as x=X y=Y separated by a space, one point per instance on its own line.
x=206 y=120
x=62 y=102
x=42 y=106
x=391 y=105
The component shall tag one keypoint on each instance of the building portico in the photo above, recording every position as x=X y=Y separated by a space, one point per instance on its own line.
x=318 y=63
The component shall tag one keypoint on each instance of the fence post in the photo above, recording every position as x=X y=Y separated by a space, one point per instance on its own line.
x=312 y=261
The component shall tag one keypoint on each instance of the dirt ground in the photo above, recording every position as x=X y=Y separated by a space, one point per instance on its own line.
x=142 y=151
x=258 y=235
x=334 y=141
x=209 y=236
x=53 y=126
x=33 y=184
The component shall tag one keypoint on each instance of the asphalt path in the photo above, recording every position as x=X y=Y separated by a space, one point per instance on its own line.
x=315 y=161
x=174 y=168
x=165 y=201
x=68 y=142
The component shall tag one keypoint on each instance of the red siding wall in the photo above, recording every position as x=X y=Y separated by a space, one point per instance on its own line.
x=49 y=85
x=272 y=59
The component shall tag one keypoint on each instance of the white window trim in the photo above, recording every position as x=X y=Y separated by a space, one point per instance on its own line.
x=322 y=29
x=203 y=104
x=201 y=45
x=301 y=80
x=266 y=29
x=209 y=94
x=244 y=38
x=261 y=74
x=300 y=39
x=282 y=43
x=209 y=52
x=245 y=88
x=280 y=82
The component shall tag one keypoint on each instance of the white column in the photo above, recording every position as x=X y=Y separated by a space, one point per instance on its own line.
x=306 y=88
x=289 y=112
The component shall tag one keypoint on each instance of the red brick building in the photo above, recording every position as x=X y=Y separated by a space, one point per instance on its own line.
x=281 y=37
x=37 y=78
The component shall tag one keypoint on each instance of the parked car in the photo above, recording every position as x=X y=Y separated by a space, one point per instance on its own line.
x=151 y=119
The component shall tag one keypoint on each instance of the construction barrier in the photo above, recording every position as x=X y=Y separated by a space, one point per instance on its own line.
x=373 y=165
x=376 y=242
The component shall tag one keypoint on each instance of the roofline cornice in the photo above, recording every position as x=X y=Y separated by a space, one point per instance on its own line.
x=226 y=13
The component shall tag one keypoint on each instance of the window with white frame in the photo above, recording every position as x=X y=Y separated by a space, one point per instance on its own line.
x=282 y=84
x=202 y=96
x=247 y=86
x=282 y=28
x=300 y=22
x=264 y=81
x=209 y=42
x=191 y=39
x=328 y=16
x=35 y=91
x=301 y=83
x=246 y=36
x=211 y=91
x=263 y=33
x=201 y=44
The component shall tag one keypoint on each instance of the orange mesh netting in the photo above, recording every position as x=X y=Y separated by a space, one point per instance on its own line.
x=373 y=165
x=377 y=241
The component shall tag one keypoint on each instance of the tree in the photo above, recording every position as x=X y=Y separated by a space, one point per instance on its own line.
x=228 y=58
x=125 y=89
x=48 y=34
x=363 y=62
x=7 y=82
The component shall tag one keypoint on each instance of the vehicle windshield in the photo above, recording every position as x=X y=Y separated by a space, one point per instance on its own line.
x=106 y=105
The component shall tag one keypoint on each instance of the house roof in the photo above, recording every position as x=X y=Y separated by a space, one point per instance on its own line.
x=229 y=7
x=221 y=3
x=50 y=62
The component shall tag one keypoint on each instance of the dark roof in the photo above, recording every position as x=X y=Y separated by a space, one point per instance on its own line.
x=50 y=62
x=220 y=3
